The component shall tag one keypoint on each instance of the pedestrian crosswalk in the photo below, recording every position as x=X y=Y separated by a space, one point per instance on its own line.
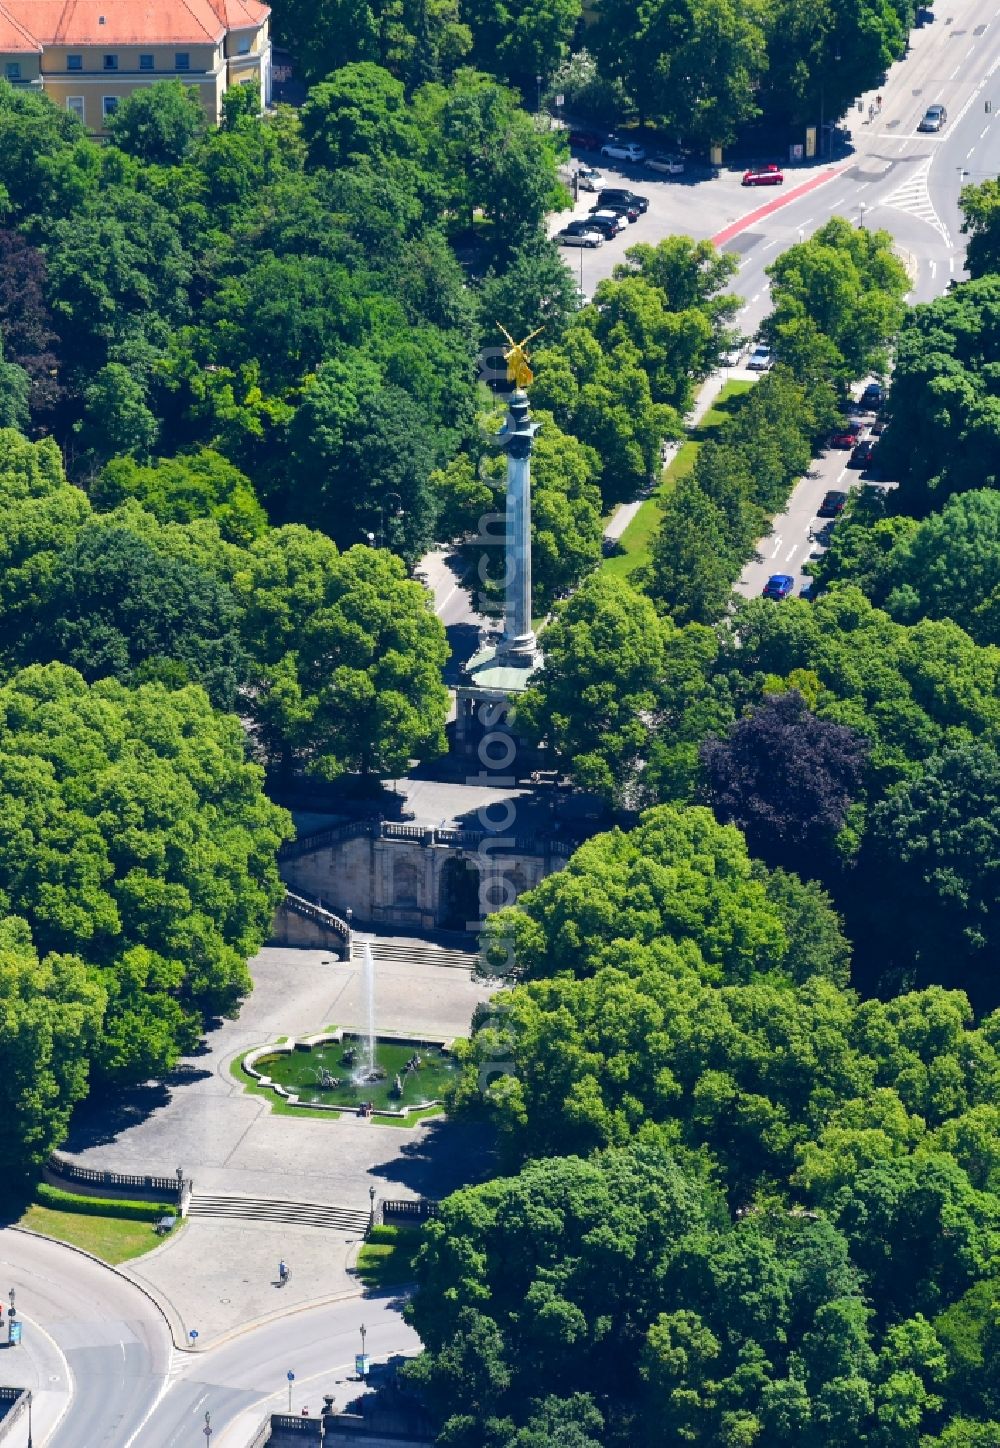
x=914 y=198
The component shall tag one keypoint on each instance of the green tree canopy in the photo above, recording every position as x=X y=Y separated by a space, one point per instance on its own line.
x=139 y=838
x=159 y=123
x=50 y=1018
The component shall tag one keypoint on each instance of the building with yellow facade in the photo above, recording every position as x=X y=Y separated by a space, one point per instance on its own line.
x=88 y=55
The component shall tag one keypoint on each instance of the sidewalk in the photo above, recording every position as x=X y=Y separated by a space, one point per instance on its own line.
x=706 y=395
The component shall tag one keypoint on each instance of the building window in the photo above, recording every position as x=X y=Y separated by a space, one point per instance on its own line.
x=74 y=62
x=146 y=62
x=182 y=60
x=111 y=62
x=74 y=104
x=246 y=45
x=13 y=70
x=110 y=105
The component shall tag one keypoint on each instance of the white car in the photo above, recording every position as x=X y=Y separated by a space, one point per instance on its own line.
x=759 y=359
x=623 y=151
x=734 y=356
x=579 y=238
x=589 y=178
x=669 y=165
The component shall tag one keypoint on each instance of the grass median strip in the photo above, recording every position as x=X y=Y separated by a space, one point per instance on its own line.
x=637 y=539
x=109 y=1236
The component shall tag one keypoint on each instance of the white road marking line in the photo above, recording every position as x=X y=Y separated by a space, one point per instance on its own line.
x=840 y=475
x=768 y=244
x=806 y=222
x=982 y=133
x=955 y=71
x=777 y=545
x=791 y=553
x=755 y=298
x=969 y=151
x=933 y=267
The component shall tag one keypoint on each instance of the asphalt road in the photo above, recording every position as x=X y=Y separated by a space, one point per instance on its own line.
x=98 y=1356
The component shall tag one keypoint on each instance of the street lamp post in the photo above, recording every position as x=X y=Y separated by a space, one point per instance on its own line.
x=538 y=87
x=207 y=1430
x=371 y=1208
x=861 y=223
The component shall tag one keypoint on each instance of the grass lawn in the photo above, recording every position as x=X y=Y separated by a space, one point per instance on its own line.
x=637 y=540
x=278 y=1105
x=386 y=1259
x=113 y=1239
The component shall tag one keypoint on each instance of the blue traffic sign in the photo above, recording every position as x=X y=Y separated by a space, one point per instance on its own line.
x=14 y=1333
x=291 y=1377
x=193 y=1334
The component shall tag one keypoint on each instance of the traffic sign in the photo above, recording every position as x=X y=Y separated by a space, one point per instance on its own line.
x=193 y=1334
x=14 y=1334
x=291 y=1377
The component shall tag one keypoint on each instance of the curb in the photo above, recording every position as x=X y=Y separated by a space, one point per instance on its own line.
x=161 y=1306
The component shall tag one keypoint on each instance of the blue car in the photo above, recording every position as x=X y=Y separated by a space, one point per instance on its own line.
x=779 y=585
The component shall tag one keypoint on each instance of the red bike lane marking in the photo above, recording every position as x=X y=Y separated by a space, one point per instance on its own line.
x=734 y=229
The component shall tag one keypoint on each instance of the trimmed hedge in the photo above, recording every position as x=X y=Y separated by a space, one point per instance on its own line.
x=61 y=1201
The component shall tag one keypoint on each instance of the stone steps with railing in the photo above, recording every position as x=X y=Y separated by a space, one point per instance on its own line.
x=287 y=1213
x=454 y=839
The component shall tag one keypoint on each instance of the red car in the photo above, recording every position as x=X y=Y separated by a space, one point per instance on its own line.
x=586 y=140
x=764 y=176
x=847 y=435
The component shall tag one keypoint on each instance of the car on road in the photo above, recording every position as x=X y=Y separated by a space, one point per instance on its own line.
x=585 y=140
x=779 y=586
x=863 y=454
x=934 y=118
x=871 y=398
x=607 y=222
x=808 y=589
x=623 y=150
x=734 y=356
x=764 y=176
x=668 y=165
x=759 y=359
x=589 y=178
x=832 y=505
x=609 y=195
x=847 y=435
x=569 y=237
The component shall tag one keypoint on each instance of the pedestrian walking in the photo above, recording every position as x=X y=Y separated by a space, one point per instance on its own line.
x=871 y=113
x=878 y=103
x=283 y=1272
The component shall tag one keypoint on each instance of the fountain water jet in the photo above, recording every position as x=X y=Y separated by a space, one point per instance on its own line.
x=368 y=1070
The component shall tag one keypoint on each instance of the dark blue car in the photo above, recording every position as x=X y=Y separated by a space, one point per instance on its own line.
x=779 y=585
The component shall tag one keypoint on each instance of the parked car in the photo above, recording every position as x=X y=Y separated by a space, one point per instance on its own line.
x=608 y=222
x=669 y=165
x=585 y=140
x=589 y=178
x=862 y=454
x=832 y=505
x=934 y=118
x=764 y=176
x=871 y=398
x=610 y=194
x=847 y=435
x=626 y=209
x=623 y=151
x=879 y=426
x=734 y=356
x=779 y=586
x=568 y=237
x=759 y=359
x=808 y=589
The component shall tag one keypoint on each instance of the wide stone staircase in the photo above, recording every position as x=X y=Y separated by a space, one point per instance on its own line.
x=413 y=952
x=291 y=1214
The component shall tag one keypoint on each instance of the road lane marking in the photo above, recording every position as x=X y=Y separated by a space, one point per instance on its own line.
x=735 y=227
x=777 y=545
x=805 y=223
x=970 y=151
x=955 y=71
x=755 y=298
x=982 y=133
x=791 y=553
x=769 y=244
x=840 y=475
x=933 y=267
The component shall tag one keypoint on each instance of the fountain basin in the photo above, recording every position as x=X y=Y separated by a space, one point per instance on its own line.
x=294 y=1070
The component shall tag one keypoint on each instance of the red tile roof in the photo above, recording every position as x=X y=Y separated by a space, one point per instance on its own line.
x=33 y=24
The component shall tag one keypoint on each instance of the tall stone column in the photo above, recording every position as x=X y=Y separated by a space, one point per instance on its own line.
x=517 y=438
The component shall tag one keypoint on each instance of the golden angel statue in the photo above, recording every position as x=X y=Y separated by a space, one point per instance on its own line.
x=517 y=359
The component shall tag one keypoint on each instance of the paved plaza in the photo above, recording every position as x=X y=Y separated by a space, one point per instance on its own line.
x=230 y=1142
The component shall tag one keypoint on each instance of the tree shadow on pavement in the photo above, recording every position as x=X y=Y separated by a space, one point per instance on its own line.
x=442 y=1157
x=101 y=1119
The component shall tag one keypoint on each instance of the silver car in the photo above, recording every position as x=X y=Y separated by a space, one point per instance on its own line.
x=579 y=238
x=759 y=359
x=934 y=119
